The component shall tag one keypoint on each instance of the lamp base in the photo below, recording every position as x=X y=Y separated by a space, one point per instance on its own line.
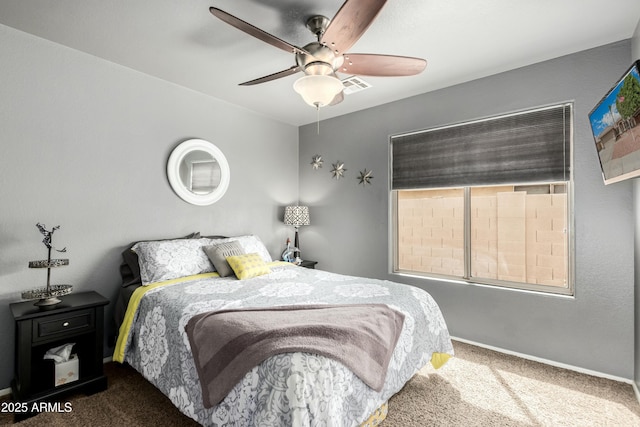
x=296 y=244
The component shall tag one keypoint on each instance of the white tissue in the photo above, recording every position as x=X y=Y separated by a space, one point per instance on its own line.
x=60 y=354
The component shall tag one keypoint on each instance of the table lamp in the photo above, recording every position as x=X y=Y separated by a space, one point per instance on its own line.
x=296 y=216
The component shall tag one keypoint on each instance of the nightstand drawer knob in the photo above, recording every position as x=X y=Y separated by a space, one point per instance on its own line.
x=65 y=324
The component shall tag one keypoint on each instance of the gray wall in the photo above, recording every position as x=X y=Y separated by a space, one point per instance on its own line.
x=349 y=230
x=84 y=145
x=635 y=55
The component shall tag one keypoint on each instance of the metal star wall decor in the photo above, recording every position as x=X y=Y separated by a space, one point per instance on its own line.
x=338 y=170
x=365 y=177
x=316 y=162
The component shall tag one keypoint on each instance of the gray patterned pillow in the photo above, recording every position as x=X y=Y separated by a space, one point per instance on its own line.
x=170 y=259
x=218 y=254
x=250 y=243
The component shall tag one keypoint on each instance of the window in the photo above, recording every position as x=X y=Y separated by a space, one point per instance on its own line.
x=486 y=201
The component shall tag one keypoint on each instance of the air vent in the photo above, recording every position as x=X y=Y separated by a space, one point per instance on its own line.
x=354 y=84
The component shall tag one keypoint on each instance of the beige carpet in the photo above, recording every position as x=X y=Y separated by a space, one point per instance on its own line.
x=477 y=388
x=480 y=387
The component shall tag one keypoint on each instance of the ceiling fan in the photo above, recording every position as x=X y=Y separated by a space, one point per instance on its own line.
x=322 y=59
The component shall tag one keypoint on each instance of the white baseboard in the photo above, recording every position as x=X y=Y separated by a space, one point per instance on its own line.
x=552 y=363
x=636 y=391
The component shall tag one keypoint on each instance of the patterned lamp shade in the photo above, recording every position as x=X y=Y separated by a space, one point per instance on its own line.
x=296 y=215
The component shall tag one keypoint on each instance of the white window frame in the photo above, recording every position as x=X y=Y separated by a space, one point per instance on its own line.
x=467 y=278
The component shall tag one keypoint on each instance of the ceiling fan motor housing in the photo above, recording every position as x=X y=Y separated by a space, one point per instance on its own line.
x=321 y=61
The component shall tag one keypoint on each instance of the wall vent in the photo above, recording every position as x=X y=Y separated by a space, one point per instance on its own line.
x=354 y=84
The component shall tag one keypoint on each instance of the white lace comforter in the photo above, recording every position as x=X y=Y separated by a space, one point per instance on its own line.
x=291 y=389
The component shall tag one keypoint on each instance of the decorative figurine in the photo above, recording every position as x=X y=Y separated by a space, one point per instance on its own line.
x=288 y=254
x=48 y=296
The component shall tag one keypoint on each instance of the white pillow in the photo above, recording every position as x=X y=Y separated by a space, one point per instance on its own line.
x=170 y=259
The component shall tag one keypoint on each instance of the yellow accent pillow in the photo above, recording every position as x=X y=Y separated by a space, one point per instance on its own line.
x=247 y=266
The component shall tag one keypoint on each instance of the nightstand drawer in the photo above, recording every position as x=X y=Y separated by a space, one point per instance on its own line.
x=76 y=322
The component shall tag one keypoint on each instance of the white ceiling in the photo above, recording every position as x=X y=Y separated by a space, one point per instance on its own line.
x=181 y=42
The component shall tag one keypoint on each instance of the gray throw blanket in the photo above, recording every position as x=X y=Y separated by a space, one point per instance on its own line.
x=229 y=343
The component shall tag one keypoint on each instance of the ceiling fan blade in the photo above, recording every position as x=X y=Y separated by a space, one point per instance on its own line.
x=364 y=64
x=279 y=74
x=255 y=31
x=351 y=21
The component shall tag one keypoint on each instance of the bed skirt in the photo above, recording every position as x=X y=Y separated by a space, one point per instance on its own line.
x=378 y=416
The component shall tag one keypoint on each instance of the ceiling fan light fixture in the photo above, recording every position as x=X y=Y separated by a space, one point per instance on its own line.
x=317 y=68
x=318 y=90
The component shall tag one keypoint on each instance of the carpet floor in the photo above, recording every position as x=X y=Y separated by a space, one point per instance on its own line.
x=478 y=387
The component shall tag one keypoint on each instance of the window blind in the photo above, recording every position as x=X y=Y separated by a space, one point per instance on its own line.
x=530 y=146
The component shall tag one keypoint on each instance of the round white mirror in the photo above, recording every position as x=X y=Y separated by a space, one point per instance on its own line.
x=198 y=172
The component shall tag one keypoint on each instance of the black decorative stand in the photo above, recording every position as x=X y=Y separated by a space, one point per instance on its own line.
x=48 y=296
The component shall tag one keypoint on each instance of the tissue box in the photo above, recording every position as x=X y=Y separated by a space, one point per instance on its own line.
x=67 y=372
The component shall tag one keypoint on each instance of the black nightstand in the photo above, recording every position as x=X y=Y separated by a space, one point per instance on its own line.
x=308 y=264
x=78 y=319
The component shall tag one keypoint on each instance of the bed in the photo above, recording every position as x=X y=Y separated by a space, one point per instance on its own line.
x=167 y=284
